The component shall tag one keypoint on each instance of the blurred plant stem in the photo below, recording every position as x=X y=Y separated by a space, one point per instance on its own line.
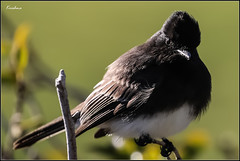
x=18 y=58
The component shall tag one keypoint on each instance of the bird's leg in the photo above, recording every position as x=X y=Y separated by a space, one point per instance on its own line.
x=143 y=140
x=166 y=146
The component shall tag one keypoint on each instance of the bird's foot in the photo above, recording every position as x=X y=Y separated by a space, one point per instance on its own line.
x=143 y=140
x=166 y=149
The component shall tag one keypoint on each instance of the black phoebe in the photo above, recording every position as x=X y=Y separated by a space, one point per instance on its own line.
x=154 y=89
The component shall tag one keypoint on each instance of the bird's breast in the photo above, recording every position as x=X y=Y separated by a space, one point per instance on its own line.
x=158 y=125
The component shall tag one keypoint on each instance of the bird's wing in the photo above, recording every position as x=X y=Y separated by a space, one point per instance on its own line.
x=109 y=99
x=128 y=87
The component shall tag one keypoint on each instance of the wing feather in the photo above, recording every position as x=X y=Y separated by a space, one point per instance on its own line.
x=108 y=100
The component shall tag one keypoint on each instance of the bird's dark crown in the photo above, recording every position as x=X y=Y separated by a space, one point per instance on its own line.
x=182 y=29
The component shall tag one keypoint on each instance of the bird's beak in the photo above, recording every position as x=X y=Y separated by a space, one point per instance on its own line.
x=184 y=53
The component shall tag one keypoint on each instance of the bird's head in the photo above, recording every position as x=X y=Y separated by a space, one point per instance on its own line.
x=182 y=30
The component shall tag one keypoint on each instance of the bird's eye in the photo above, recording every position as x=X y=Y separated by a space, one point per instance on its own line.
x=167 y=41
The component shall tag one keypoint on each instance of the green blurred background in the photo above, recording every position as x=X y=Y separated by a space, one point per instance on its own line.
x=83 y=38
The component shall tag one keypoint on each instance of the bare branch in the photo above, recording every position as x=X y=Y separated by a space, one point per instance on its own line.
x=67 y=118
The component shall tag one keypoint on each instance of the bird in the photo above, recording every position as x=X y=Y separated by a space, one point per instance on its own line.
x=156 y=89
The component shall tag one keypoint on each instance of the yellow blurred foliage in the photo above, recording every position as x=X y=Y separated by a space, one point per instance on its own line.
x=21 y=34
x=129 y=146
x=19 y=53
x=55 y=154
x=194 y=143
x=6 y=70
x=198 y=137
x=152 y=152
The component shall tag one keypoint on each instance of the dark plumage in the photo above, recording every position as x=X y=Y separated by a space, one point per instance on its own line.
x=161 y=77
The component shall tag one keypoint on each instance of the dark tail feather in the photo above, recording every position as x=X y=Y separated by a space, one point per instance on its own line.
x=50 y=129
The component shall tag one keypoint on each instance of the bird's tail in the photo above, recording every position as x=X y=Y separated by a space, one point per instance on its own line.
x=50 y=129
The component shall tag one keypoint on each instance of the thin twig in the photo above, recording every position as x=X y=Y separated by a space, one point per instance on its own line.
x=162 y=143
x=68 y=122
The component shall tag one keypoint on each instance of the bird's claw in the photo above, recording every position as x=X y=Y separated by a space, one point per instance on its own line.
x=166 y=149
x=143 y=140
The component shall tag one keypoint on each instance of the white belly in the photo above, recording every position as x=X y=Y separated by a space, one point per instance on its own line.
x=157 y=126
